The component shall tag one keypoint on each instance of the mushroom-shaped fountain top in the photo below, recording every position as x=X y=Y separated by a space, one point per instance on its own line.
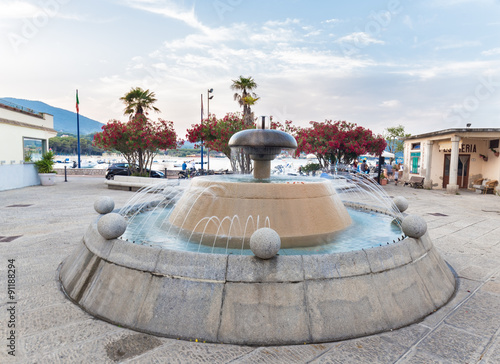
x=262 y=145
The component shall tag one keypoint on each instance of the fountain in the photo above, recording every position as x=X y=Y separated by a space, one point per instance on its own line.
x=305 y=214
x=188 y=270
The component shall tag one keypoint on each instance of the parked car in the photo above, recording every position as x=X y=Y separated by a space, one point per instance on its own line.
x=122 y=169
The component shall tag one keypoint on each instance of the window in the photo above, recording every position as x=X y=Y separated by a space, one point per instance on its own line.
x=494 y=143
x=33 y=149
x=415 y=146
x=414 y=162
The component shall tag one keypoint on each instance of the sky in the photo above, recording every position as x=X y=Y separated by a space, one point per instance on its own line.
x=427 y=65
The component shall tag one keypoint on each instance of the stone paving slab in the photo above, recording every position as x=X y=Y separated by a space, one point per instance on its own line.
x=453 y=345
x=51 y=329
x=285 y=354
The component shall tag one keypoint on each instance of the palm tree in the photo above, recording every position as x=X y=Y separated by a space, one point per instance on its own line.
x=247 y=97
x=139 y=101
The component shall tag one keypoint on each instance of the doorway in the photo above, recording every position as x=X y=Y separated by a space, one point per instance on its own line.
x=463 y=170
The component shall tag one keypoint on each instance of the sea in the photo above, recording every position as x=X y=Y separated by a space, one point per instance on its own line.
x=282 y=164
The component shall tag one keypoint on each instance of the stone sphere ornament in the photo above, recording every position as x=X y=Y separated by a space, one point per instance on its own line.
x=265 y=243
x=401 y=203
x=111 y=226
x=104 y=205
x=414 y=226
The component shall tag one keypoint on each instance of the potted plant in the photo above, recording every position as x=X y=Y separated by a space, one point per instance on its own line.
x=45 y=169
x=485 y=158
x=383 y=181
x=495 y=152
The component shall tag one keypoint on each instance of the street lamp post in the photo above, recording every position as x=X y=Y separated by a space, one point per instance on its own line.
x=209 y=91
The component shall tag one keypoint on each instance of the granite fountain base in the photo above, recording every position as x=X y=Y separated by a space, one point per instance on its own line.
x=245 y=300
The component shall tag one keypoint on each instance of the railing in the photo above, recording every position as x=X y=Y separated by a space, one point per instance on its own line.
x=19 y=107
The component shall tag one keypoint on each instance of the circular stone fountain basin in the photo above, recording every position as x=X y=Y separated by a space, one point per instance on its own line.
x=245 y=300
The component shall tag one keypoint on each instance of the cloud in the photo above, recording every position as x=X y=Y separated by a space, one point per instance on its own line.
x=451 y=3
x=17 y=10
x=442 y=70
x=171 y=10
x=279 y=23
x=313 y=33
x=408 y=22
x=491 y=52
x=279 y=57
x=456 y=45
x=359 y=38
x=332 y=21
x=390 y=103
x=298 y=64
x=25 y=9
x=253 y=48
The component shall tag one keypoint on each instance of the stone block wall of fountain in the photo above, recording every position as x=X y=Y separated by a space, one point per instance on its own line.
x=247 y=300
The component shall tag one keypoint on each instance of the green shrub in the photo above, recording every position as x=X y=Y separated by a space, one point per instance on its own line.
x=310 y=167
x=46 y=164
x=137 y=174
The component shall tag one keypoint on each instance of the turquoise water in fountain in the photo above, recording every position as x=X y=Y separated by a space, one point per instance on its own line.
x=368 y=230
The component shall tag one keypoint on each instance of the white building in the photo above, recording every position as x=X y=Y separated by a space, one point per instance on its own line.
x=453 y=158
x=24 y=137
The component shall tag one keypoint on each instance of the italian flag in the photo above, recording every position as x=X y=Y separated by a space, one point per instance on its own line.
x=77 y=103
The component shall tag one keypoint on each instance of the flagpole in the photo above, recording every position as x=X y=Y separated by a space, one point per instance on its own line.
x=78 y=126
x=202 y=140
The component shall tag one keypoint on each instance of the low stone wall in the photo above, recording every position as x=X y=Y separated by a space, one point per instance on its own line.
x=18 y=176
x=81 y=171
x=245 y=300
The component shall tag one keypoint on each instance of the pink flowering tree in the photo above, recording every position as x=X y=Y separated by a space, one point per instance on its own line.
x=139 y=140
x=215 y=134
x=337 y=141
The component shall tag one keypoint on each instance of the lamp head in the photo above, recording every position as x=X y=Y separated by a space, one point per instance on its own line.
x=210 y=90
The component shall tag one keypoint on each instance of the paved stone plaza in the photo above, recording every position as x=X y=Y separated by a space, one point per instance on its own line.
x=41 y=226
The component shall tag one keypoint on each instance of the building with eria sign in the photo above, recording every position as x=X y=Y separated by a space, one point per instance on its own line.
x=24 y=137
x=452 y=159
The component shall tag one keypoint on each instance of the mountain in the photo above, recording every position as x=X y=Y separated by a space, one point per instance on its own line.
x=64 y=120
x=187 y=145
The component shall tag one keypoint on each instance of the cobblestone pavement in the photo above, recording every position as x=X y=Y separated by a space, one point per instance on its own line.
x=41 y=226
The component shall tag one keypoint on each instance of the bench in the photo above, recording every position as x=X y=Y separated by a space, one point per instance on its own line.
x=479 y=185
x=484 y=185
x=132 y=183
x=415 y=182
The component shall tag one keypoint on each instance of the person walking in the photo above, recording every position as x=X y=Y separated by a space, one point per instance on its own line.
x=396 y=174
x=364 y=167
x=388 y=169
